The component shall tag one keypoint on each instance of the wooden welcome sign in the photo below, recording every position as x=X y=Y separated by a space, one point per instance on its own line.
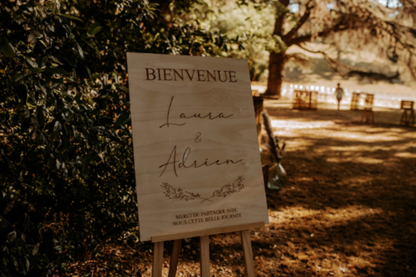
x=196 y=152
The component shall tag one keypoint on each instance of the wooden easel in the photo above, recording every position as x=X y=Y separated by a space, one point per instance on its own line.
x=204 y=248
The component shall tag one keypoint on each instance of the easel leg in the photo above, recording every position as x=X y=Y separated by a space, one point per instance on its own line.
x=157 y=259
x=204 y=253
x=248 y=253
x=175 y=257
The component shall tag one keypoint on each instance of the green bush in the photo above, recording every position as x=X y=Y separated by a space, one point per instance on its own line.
x=66 y=157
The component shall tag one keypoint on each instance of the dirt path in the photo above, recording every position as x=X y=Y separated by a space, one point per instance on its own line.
x=348 y=209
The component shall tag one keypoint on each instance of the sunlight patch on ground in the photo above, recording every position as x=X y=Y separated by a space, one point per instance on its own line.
x=303 y=179
x=405 y=155
x=280 y=216
x=358 y=148
x=357 y=180
x=361 y=153
x=296 y=124
x=342 y=154
x=364 y=160
x=296 y=145
x=362 y=136
x=351 y=213
x=406 y=145
x=348 y=157
x=361 y=133
x=330 y=216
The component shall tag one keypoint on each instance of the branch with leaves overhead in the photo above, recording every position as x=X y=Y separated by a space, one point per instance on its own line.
x=346 y=25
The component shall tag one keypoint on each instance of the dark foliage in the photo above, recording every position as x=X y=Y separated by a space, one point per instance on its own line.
x=66 y=159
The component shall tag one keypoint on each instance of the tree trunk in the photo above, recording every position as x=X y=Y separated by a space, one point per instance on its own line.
x=277 y=63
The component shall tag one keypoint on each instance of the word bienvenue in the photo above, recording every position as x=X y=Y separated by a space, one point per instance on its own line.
x=198 y=75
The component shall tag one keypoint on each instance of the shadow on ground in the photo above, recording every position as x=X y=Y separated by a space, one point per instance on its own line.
x=348 y=208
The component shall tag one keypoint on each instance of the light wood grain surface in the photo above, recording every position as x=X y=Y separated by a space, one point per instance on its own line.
x=157 y=259
x=248 y=253
x=175 y=257
x=204 y=256
x=196 y=153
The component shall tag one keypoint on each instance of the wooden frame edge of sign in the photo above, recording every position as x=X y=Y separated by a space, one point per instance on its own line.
x=213 y=231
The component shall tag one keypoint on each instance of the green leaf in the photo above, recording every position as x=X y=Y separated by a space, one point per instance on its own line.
x=123 y=118
x=106 y=121
x=11 y=237
x=55 y=60
x=9 y=206
x=94 y=28
x=126 y=121
x=58 y=164
x=40 y=116
x=93 y=46
x=31 y=62
x=57 y=126
x=20 y=77
x=70 y=16
x=62 y=157
x=32 y=39
x=88 y=158
x=85 y=171
x=56 y=70
x=81 y=53
x=123 y=88
x=7 y=50
x=41 y=61
x=71 y=61
x=25 y=125
x=95 y=76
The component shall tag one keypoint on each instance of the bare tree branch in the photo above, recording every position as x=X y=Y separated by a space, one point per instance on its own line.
x=280 y=18
x=347 y=71
x=286 y=38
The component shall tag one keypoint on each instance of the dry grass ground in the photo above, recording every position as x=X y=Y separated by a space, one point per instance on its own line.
x=348 y=209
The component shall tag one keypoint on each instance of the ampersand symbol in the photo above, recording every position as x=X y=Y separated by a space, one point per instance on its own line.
x=198 y=137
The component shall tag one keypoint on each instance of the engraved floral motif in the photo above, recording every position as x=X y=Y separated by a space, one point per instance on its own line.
x=178 y=193
x=224 y=191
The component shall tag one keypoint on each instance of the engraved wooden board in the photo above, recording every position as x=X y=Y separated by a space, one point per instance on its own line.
x=196 y=154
